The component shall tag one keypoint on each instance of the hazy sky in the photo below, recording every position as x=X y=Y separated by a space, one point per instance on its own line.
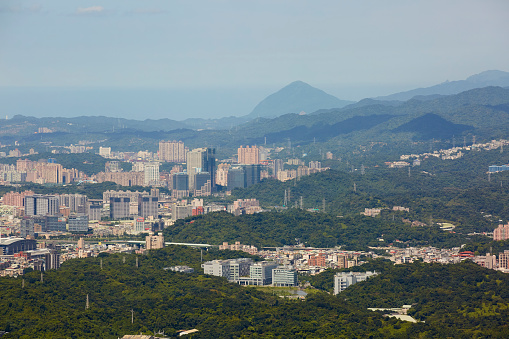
x=351 y=49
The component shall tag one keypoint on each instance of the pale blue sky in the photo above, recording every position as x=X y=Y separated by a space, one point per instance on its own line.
x=351 y=49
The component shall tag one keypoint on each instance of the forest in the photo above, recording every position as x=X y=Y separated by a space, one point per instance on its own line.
x=460 y=301
x=125 y=299
x=450 y=300
x=313 y=229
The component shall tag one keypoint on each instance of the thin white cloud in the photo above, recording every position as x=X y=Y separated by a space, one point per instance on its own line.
x=90 y=10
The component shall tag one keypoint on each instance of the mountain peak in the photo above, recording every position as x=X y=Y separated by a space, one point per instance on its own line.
x=296 y=97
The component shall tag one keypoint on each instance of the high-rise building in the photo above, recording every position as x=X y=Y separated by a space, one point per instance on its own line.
x=151 y=172
x=501 y=232
x=95 y=207
x=26 y=227
x=180 y=188
x=172 y=151
x=252 y=174
x=77 y=203
x=248 y=155
x=52 y=260
x=202 y=183
x=119 y=208
x=201 y=160
x=236 y=178
x=148 y=206
x=38 y=204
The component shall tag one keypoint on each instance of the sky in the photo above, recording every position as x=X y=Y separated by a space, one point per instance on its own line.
x=211 y=58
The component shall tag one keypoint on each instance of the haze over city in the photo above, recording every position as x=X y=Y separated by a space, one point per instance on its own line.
x=180 y=59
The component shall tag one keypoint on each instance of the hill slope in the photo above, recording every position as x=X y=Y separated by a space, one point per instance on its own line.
x=483 y=79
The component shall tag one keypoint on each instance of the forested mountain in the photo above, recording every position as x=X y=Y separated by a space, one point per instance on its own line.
x=124 y=299
x=483 y=79
x=456 y=191
x=455 y=301
x=483 y=112
x=313 y=229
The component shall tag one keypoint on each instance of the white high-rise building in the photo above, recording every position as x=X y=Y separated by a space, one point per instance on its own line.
x=151 y=171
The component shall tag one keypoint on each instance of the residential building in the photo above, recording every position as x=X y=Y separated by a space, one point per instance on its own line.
x=172 y=151
x=503 y=260
x=501 y=232
x=248 y=155
x=151 y=173
x=153 y=242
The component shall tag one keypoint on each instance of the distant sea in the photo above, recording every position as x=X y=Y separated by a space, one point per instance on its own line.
x=130 y=103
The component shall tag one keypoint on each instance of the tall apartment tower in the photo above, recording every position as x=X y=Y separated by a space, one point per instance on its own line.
x=151 y=173
x=201 y=160
x=172 y=151
x=248 y=155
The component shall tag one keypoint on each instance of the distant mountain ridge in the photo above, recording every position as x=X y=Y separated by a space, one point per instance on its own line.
x=295 y=98
x=483 y=79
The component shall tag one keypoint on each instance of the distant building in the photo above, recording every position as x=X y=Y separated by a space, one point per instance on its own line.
x=112 y=166
x=182 y=269
x=153 y=242
x=172 y=151
x=284 y=277
x=501 y=232
x=78 y=223
x=201 y=160
x=317 y=261
x=11 y=245
x=119 y=208
x=52 y=260
x=148 y=206
x=38 y=204
x=151 y=173
x=344 y=279
x=503 y=260
x=26 y=227
x=248 y=155
x=498 y=168
x=231 y=269
x=105 y=152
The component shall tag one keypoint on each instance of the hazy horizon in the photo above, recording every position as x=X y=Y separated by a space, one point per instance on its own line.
x=235 y=53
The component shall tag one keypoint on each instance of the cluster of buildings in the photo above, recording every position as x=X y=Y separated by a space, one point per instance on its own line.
x=244 y=271
x=455 y=152
x=447 y=256
x=42 y=172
